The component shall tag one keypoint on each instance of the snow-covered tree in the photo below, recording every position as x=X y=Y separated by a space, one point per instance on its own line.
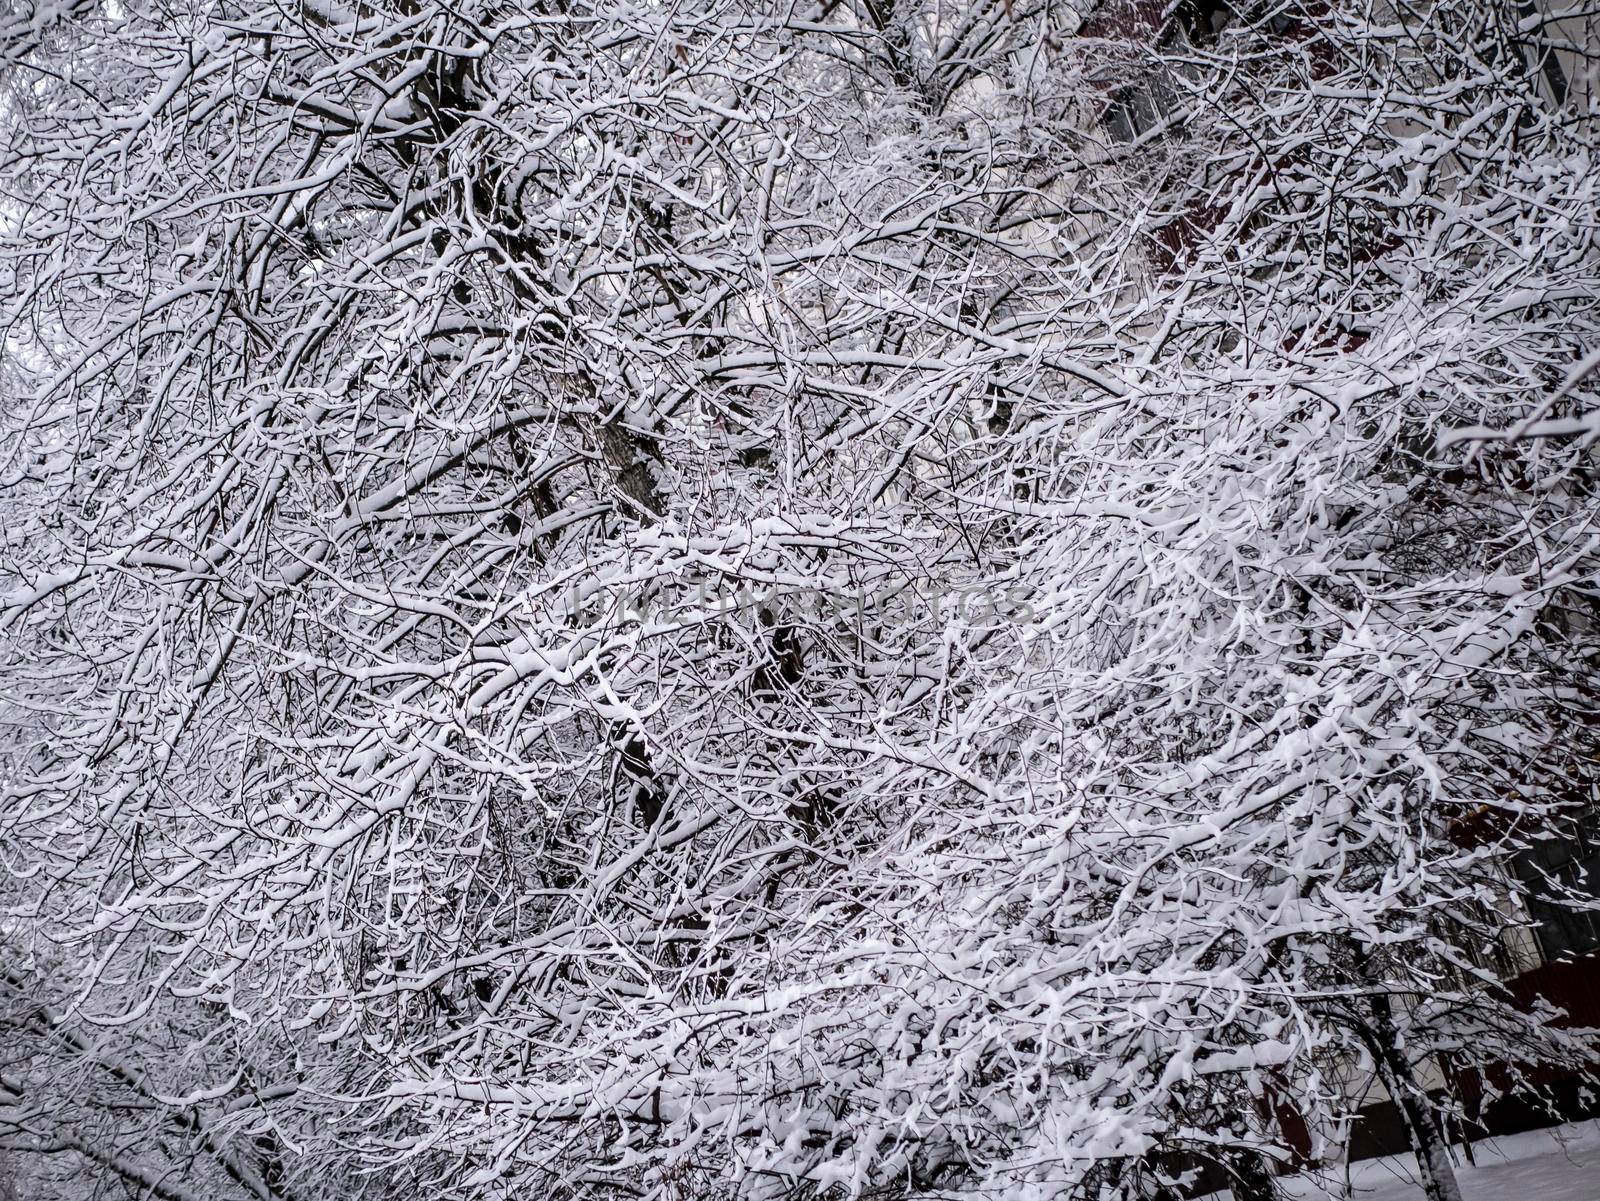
x=731 y=598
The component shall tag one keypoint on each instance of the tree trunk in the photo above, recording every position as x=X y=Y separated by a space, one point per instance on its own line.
x=1433 y=1159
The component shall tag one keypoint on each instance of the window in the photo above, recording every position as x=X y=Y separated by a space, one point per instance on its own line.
x=1571 y=863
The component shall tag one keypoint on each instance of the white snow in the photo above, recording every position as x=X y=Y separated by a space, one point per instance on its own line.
x=1559 y=1164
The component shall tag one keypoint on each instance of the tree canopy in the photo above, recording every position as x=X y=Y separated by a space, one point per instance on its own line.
x=777 y=600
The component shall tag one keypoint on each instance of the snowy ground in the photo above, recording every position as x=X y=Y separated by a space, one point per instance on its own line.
x=1562 y=1164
